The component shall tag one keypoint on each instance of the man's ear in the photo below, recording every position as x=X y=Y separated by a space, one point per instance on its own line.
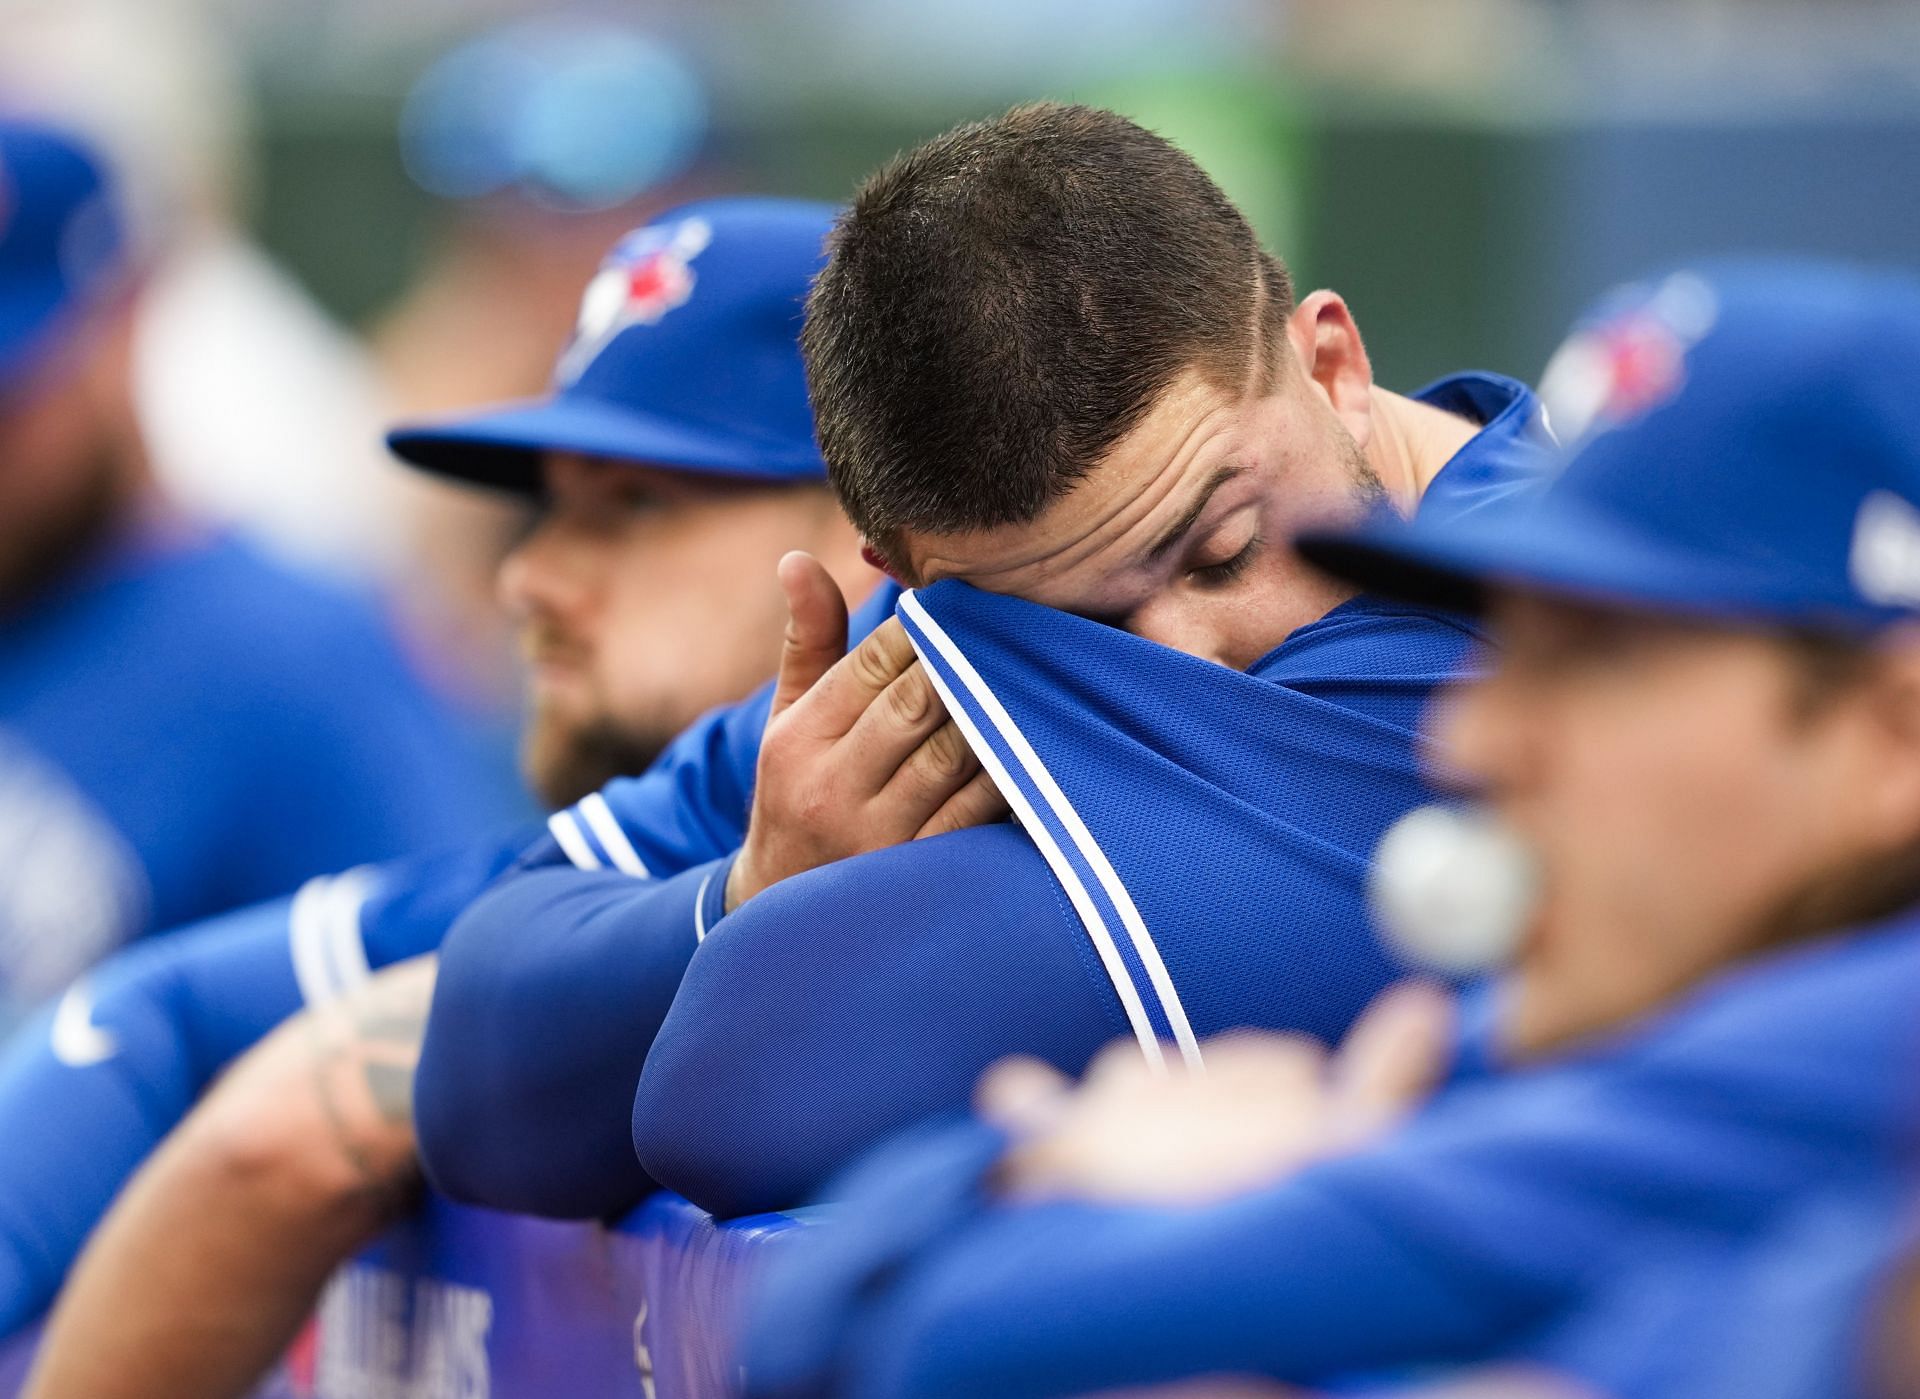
x=1326 y=344
x=875 y=559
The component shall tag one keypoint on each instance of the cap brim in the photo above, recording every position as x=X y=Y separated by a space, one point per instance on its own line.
x=503 y=446
x=1548 y=546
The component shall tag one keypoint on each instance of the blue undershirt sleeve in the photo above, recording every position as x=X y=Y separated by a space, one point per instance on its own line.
x=551 y=987
x=842 y=1004
x=89 y=1087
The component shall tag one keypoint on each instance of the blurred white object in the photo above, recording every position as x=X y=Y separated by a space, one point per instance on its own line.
x=1453 y=888
x=260 y=411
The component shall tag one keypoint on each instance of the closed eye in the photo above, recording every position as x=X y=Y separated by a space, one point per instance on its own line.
x=1216 y=575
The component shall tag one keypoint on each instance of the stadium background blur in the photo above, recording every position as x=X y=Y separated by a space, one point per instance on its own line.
x=392 y=206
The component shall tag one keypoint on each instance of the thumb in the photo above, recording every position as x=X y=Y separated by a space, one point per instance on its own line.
x=816 y=627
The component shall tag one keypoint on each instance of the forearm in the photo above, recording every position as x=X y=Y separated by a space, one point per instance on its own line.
x=216 y=1253
x=553 y=987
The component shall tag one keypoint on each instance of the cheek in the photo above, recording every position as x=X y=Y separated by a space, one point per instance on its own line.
x=694 y=619
x=1663 y=846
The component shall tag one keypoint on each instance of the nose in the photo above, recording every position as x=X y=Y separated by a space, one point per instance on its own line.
x=1167 y=622
x=544 y=574
x=1482 y=735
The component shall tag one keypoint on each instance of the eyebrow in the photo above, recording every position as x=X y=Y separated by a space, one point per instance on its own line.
x=1177 y=531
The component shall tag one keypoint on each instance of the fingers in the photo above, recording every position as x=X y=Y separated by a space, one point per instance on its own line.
x=897 y=737
x=861 y=683
x=1393 y=1056
x=1022 y=1095
x=977 y=803
x=816 y=637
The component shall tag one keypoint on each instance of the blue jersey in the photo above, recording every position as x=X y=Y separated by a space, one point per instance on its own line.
x=1100 y=914
x=90 y=1086
x=186 y=728
x=1591 y=1216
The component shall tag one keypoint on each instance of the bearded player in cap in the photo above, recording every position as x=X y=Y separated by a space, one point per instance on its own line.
x=674 y=464
x=1674 y=1155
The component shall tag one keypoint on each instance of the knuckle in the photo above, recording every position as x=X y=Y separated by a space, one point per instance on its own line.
x=948 y=755
x=873 y=662
x=910 y=698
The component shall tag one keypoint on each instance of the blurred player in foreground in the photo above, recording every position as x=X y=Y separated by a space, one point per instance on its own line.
x=1194 y=727
x=676 y=464
x=184 y=726
x=1677 y=1146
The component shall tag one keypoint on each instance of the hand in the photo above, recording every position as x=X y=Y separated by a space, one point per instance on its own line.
x=859 y=753
x=1266 y=1105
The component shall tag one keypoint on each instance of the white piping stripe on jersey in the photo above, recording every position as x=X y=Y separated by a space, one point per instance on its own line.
x=346 y=947
x=606 y=829
x=700 y=910
x=1095 y=925
x=323 y=931
x=572 y=843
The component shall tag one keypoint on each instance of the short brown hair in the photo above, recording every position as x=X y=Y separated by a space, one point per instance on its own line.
x=1005 y=302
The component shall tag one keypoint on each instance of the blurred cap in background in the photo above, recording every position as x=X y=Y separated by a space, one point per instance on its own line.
x=686 y=354
x=62 y=240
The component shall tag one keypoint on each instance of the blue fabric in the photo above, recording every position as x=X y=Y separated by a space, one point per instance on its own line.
x=1236 y=812
x=1508 y=1221
x=176 y=1011
x=553 y=983
x=62 y=240
x=195 y=729
x=686 y=355
x=1743 y=443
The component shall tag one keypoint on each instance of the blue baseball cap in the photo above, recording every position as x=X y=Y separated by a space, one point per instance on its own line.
x=62 y=240
x=686 y=356
x=1741 y=443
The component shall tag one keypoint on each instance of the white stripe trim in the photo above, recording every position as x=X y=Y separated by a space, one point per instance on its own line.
x=1136 y=926
x=323 y=932
x=606 y=829
x=1036 y=829
x=345 y=948
x=572 y=843
x=700 y=910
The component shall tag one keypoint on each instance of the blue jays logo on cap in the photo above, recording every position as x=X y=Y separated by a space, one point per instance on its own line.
x=1628 y=359
x=648 y=273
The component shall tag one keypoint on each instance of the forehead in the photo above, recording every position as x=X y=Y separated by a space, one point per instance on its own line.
x=1193 y=429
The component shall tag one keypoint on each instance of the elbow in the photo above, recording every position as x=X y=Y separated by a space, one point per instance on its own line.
x=730 y=1157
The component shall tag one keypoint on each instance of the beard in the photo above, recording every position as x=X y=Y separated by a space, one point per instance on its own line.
x=565 y=761
x=61 y=539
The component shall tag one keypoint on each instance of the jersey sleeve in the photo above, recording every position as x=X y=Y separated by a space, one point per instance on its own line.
x=89 y=1087
x=1505 y=1205
x=92 y=1086
x=843 y=1004
x=551 y=988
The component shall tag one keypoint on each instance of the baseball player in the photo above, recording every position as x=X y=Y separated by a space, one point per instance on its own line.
x=675 y=464
x=185 y=726
x=1687 y=1108
x=1007 y=418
